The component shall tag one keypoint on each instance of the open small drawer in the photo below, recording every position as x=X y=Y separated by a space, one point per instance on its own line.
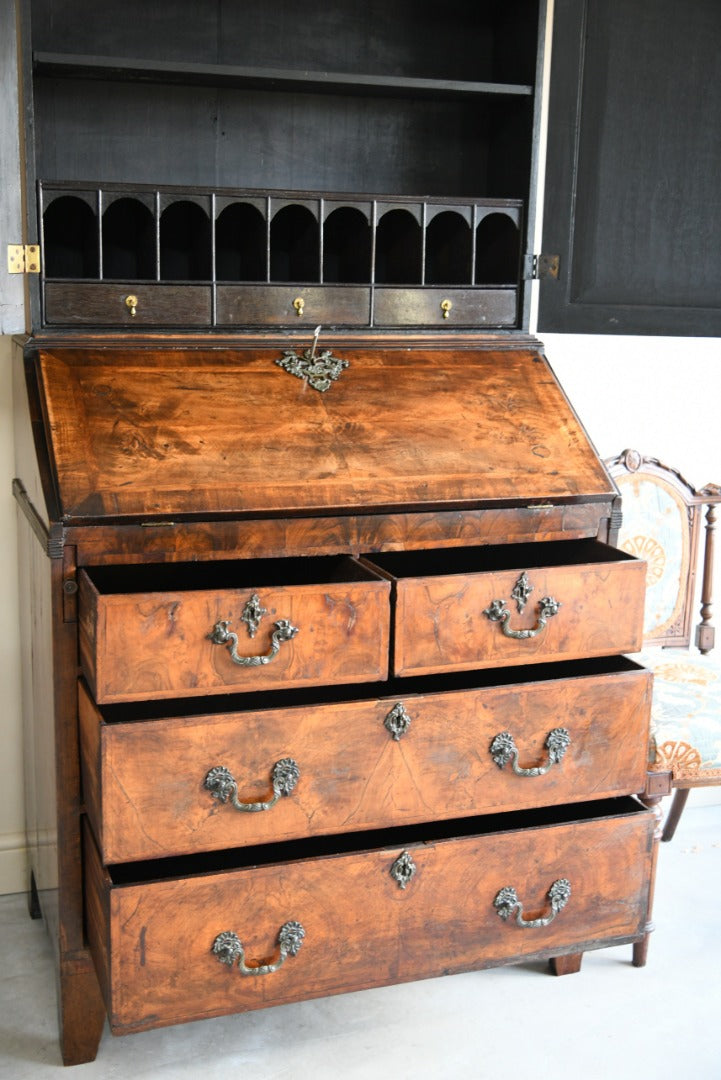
x=513 y=604
x=190 y=629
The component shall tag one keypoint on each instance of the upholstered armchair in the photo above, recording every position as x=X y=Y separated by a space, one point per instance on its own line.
x=663 y=521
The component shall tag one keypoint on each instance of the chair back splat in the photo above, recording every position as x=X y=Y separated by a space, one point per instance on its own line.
x=663 y=519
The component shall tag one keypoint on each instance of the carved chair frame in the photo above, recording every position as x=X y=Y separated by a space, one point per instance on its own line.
x=631 y=462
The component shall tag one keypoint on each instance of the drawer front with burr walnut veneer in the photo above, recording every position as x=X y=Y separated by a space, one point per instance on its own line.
x=430 y=749
x=278 y=623
x=519 y=604
x=325 y=917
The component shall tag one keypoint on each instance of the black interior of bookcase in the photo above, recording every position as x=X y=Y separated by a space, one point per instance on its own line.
x=383 y=144
x=632 y=202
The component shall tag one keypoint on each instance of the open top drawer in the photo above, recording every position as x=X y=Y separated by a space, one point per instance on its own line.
x=192 y=629
x=513 y=604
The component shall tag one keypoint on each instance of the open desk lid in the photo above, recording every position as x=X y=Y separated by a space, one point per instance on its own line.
x=173 y=434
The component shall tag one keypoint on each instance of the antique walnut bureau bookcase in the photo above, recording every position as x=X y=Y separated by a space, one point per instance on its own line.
x=323 y=622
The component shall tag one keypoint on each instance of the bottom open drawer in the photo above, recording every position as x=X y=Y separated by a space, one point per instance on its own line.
x=306 y=919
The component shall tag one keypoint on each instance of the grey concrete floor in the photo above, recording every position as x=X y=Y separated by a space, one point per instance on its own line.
x=611 y=1020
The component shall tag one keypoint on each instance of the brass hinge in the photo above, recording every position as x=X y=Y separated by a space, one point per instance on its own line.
x=23 y=259
x=540 y=267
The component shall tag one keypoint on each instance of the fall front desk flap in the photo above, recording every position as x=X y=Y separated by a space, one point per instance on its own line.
x=186 y=434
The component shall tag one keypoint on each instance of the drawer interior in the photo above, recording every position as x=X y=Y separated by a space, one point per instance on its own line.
x=475 y=560
x=127 y=712
x=231 y=574
x=402 y=837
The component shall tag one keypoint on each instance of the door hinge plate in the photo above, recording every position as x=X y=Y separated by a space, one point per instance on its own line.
x=543 y=266
x=23 y=259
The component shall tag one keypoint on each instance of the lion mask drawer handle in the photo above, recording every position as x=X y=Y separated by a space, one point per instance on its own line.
x=223 y=785
x=229 y=949
x=503 y=749
x=498 y=612
x=221 y=635
x=507 y=902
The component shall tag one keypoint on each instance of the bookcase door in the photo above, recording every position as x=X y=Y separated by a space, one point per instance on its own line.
x=631 y=193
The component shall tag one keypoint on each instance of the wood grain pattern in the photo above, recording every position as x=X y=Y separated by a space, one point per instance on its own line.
x=361 y=928
x=143 y=780
x=157 y=644
x=229 y=432
x=353 y=533
x=272 y=305
x=98 y=304
x=440 y=622
x=422 y=307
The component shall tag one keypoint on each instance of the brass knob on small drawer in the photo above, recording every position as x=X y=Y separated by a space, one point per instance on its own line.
x=299 y=305
x=446 y=306
x=131 y=303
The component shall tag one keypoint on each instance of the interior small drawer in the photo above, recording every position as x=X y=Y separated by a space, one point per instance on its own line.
x=157 y=782
x=260 y=305
x=444 y=307
x=127 y=304
x=192 y=629
x=176 y=940
x=513 y=604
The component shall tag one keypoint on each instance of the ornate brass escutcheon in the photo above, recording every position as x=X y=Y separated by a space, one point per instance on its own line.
x=507 y=903
x=446 y=306
x=498 y=612
x=223 y=785
x=299 y=305
x=131 y=303
x=521 y=591
x=252 y=613
x=397 y=721
x=230 y=950
x=403 y=870
x=319 y=370
x=503 y=749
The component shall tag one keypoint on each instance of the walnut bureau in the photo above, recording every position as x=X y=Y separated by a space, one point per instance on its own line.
x=324 y=630
x=377 y=729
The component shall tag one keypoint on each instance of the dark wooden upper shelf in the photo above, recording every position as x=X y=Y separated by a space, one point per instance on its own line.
x=68 y=65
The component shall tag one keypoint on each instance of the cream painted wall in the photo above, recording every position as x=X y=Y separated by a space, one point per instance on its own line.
x=661 y=396
x=12 y=817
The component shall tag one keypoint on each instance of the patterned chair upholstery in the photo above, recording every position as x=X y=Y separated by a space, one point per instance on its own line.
x=663 y=518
